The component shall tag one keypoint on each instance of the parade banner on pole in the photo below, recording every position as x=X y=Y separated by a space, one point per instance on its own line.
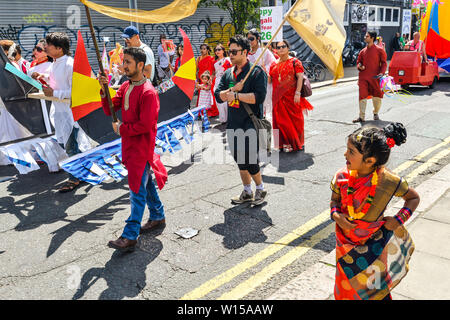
x=320 y=24
x=174 y=11
x=271 y=18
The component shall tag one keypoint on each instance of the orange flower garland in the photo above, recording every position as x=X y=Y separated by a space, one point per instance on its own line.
x=351 y=184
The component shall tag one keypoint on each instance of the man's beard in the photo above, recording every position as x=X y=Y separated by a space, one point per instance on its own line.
x=131 y=75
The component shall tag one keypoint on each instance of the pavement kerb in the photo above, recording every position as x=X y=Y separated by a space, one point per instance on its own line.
x=321 y=84
x=317 y=282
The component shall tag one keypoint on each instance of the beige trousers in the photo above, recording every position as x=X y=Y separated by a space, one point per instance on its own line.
x=363 y=105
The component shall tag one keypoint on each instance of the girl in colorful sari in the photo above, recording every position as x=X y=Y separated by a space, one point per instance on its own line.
x=289 y=106
x=372 y=251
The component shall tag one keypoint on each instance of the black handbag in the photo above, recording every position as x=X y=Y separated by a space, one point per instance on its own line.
x=262 y=126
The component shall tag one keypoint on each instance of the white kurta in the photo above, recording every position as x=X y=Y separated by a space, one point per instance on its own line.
x=43 y=68
x=61 y=116
x=220 y=70
x=265 y=62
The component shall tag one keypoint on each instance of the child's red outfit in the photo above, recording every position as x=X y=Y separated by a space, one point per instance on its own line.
x=370 y=260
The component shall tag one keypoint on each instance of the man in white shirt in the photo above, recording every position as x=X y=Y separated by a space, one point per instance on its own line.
x=132 y=39
x=68 y=133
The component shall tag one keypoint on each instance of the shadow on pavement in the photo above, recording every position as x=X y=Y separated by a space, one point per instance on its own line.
x=124 y=273
x=239 y=229
x=295 y=161
x=87 y=223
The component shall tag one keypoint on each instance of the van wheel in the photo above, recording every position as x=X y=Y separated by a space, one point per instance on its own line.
x=405 y=86
x=433 y=84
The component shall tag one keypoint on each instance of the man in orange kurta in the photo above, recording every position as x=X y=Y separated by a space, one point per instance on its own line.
x=372 y=65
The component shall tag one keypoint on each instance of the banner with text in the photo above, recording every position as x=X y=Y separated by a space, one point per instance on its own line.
x=271 y=17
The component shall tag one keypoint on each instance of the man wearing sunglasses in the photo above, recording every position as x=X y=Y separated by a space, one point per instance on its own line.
x=132 y=40
x=241 y=133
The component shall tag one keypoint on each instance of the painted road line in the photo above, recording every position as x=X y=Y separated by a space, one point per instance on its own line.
x=275 y=267
x=420 y=156
x=433 y=160
x=240 y=268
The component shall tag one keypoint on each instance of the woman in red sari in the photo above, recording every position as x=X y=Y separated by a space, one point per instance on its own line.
x=288 y=105
x=206 y=63
x=372 y=250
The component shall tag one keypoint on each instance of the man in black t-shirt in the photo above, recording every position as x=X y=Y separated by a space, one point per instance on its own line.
x=241 y=133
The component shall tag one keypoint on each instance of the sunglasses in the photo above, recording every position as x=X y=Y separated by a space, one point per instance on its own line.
x=218 y=49
x=234 y=51
x=38 y=49
x=282 y=47
x=251 y=38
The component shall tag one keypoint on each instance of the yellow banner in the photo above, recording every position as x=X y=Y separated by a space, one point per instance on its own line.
x=174 y=11
x=320 y=24
x=425 y=22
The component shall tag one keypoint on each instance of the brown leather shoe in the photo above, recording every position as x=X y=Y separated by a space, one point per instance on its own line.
x=153 y=225
x=359 y=119
x=123 y=244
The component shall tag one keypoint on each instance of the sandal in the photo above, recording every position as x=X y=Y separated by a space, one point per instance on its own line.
x=69 y=186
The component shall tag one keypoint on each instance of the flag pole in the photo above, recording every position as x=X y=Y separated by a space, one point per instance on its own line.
x=270 y=41
x=102 y=71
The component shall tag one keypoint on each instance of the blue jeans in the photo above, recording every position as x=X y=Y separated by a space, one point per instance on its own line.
x=147 y=195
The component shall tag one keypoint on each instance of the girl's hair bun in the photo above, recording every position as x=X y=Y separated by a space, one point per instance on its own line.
x=396 y=131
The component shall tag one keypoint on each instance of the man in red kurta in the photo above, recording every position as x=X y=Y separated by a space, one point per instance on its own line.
x=139 y=102
x=372 y=65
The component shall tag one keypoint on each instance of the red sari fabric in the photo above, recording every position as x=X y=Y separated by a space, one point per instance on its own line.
x=287 y=116
x=207 y=64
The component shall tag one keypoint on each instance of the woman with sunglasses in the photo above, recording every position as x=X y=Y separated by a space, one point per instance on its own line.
x=223 y=62
x=265 y=63
x=288 y=105
x=179 y=52
x=206 y=63
x=40 y=66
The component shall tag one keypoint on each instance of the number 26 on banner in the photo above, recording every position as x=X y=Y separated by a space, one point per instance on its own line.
x=266 y=36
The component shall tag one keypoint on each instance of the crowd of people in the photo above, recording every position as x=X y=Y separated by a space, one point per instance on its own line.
x=240 y=85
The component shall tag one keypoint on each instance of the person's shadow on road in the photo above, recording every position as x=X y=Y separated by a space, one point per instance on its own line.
x=239 y=229
x=124 y=273
x=294 y=161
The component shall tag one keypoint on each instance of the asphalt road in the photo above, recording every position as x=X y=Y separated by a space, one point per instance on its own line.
x=53 y=246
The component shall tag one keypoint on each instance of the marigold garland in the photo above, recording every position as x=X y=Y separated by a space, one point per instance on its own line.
x=369 y=199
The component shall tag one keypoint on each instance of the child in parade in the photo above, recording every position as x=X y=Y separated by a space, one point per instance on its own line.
x=204 y=96
x=372 y=250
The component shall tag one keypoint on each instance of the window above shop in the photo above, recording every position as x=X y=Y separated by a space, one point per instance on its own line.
x=384 y=16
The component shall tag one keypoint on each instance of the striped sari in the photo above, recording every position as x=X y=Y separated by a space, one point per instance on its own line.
x=370 y=260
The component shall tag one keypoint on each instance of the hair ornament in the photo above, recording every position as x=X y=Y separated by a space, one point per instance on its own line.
x=390 y=142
